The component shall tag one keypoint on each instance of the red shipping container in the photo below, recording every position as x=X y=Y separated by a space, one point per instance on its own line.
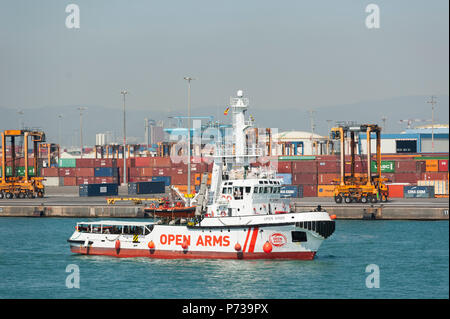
x=85 y=180
x=105 y=180
x=304 y=167
x=304 y=179
x=435 y=176
x=130 y=162
x=69 y=172
x=327 y=178
x=146 y=171
x=50 y=172
x=395 y=191
x=421 y=166
x=105 y=162
x=285 y=167
x=85 y=162
x=84 y=172
x=70 y=181
x=309 y=190
x=406 y=178
x=328 y=166
x=160 y=162
x=443 y=165
x=142 y=161
x=405 y=166
x=181 y=179
x=134 y=171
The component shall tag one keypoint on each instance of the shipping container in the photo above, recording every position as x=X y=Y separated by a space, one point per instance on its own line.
x=432 y=165
x=284 y=167
x=98 y=190
x=105 y=171
x=198 y=179
x=328 y=178
x=105 y=162
x=70 y=181
x=325 y=190
x=421 y=166
x=440 y=187
x=67 y=162
x=406 y=178
x=146 y=188
x=67 y=172
x=328 y=167
x=85 y=180
x=289 y=191
x=165 y=179
x=160 y=162
x=142 y=161
x=296 y=158
x=309 y=190
x=443 y=165
x=304 y=179
x=396 y=190
x=386 y=167
x=406 y=166
x=183 y=188
x=286 y=177
x=131 y=162
x=106 y=180
x=49 y=172
x=304 y=167
x=85 y=162
x=84 y=171
x=419 y=192
x=53 y=181
x=430 y=176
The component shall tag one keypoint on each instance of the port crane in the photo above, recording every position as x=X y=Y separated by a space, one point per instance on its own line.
x=366 y=188
x=17 y=185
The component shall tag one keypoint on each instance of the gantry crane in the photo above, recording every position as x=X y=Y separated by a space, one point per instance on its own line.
x=367 y=188
x=16 y=185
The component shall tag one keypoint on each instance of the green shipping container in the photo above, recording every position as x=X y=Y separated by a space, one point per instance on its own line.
x=67 y=162
x=8 y=171
x=386 y=166
x=20 y=171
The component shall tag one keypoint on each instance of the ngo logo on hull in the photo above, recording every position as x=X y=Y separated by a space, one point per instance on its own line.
x=278 y=239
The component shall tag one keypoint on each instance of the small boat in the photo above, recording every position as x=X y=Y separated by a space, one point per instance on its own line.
x=166 y=210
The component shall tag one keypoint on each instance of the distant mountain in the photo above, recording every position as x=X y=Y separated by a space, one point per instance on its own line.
x=100 y=119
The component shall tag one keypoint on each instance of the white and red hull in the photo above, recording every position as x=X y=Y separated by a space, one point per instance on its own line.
x=289 y=238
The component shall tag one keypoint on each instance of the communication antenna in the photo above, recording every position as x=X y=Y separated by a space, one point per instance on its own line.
x=432 y=102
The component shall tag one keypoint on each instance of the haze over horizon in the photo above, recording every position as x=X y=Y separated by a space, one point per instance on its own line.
x=288 y=58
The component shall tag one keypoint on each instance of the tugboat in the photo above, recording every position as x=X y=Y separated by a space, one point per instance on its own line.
x=241 y=216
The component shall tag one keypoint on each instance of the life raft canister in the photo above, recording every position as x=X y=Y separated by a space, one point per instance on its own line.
x=267 y=247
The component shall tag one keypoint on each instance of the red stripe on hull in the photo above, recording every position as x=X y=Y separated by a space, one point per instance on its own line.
x=168 y=254
x=246 y=238
x=251 y=248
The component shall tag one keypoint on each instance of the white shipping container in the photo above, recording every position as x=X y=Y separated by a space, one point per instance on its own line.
x=440 y=187
x=53 y=181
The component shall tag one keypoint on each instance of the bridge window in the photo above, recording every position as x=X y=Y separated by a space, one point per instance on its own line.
x=248 y=190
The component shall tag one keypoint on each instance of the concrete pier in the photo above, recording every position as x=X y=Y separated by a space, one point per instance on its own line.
x=65 y=202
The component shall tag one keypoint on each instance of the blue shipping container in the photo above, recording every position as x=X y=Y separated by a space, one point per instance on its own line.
x=98 y=190
x=165 y=179
x=418 y=192
x=105 y=172
x=146 y=188
x=289 y=191
x=287 y=178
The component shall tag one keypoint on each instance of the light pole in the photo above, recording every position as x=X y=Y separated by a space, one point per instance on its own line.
x=432 y=102
x=81 y=109
x=189 y=79
x=124 y=92
x=60 y=117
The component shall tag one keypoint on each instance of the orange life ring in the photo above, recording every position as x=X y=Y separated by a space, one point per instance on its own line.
x=229 y=197
x=223 y=213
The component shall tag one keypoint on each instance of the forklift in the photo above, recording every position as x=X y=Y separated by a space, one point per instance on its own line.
x=15 y=184
x=366 y=188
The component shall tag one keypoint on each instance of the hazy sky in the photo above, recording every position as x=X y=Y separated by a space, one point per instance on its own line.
x=281 y=53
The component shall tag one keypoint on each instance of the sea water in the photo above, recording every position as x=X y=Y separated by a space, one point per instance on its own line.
x=362 y=259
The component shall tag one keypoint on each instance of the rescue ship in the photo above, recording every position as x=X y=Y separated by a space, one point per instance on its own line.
x=240 y=216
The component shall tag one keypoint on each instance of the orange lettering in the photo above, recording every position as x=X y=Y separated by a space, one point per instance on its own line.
x=178 y=242
x=208 y=240
x=171 y=238
x=226 y=241
x=199 y=241
x=163 y=239
x=187 y=239
x=217 y=240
